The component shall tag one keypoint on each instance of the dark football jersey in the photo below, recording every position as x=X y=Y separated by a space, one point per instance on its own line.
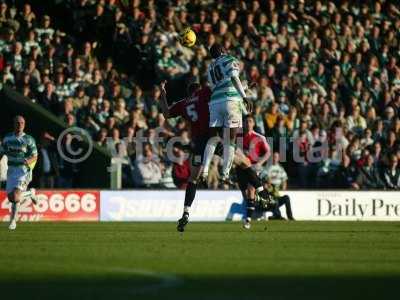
x=195 y=110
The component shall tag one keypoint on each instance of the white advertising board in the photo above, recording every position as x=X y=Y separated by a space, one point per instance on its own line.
x=168 y=206
x=228 y=205
x=345 y=205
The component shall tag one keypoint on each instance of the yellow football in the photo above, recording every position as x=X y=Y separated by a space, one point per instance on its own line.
x=187 y=37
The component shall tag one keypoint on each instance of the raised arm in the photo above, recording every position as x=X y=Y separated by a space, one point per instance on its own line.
x=163 y=100
x=238 y=85
x=242 y=91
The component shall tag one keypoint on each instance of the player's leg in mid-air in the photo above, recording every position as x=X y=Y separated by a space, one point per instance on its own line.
x=216 y=124
x=232 y=123
x=225 y=120
x=17 y=183
x=250 y=185
x=195 y=172
x=250 y=175
x=15 y=198
x=248 y=196
x=226 y=101
x=190 y=194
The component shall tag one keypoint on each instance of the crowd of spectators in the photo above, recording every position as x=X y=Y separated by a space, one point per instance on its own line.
x=328 y=73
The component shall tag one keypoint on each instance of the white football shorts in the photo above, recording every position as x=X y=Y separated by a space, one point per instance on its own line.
x=227 y=114
x=18 y=178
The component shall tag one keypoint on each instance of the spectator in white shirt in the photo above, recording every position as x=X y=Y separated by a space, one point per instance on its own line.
x=275 y=173
x=276 y=180
x=356 y=122
x=31 y=42
x=147 y=171
x=45 y=29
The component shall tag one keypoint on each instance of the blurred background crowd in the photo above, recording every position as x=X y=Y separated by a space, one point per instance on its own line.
x=327 y=71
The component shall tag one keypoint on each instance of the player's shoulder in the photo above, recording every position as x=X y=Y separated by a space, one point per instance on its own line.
x=29 y=138
x=258 y=135
x=229 y=63
x=8 y=137
x=230 y=57
x=227 y=59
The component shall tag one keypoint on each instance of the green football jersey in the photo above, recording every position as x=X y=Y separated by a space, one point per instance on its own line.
x=219 y=75
x=19 y=148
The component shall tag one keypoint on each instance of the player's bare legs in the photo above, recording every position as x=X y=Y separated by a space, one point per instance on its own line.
x=14 y=197
x=241 y=160
x=244 y=163
x=29 y=195
x=209 y=151
x=229 y=151
x=253 y=185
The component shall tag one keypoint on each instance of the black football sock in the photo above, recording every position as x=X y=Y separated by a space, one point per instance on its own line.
x=189 y=195
x=255 y=181
x=250 y=207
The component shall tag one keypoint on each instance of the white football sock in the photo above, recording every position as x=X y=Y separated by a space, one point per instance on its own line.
x=14 y=211
x=26 y=195
x=229 y=155
x=259 y=189
x=186 y=209
x=208 y=154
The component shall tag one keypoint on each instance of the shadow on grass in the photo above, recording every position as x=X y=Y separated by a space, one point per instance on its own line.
x=218 y=288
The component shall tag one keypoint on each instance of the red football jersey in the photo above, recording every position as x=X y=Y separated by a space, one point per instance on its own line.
x=255 y=146
x=195 y=110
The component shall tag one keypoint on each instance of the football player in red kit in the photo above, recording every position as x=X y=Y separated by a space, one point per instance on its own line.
x=257 y=150
x=195 y=110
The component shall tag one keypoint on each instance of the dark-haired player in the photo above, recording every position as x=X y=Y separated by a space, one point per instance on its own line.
x=195 y=110
x=226 y=107
x=257 y=150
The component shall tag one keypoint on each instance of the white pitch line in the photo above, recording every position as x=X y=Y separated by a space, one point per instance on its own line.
x=166 y=280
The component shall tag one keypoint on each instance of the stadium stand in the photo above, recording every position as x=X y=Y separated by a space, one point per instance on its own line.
x=327 y=72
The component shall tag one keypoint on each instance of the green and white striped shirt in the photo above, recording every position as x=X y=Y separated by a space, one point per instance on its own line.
x=220 y=72
x=19 y=148
x=276 y=174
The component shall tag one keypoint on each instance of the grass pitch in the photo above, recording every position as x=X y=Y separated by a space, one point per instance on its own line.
x=298 y=260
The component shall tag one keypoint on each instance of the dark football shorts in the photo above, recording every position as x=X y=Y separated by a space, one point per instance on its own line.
x=198 y=146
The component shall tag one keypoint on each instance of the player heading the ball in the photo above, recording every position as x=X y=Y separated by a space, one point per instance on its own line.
x=226 y=106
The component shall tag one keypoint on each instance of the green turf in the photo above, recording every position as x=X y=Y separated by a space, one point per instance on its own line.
x=298 y=260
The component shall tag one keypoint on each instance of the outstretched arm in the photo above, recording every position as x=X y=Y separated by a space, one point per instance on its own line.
x=238 y=85
x=241 y=89
x=163 y=100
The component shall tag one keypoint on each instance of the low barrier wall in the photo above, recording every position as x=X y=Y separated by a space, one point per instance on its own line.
x=146 y=205
x=59 y=205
